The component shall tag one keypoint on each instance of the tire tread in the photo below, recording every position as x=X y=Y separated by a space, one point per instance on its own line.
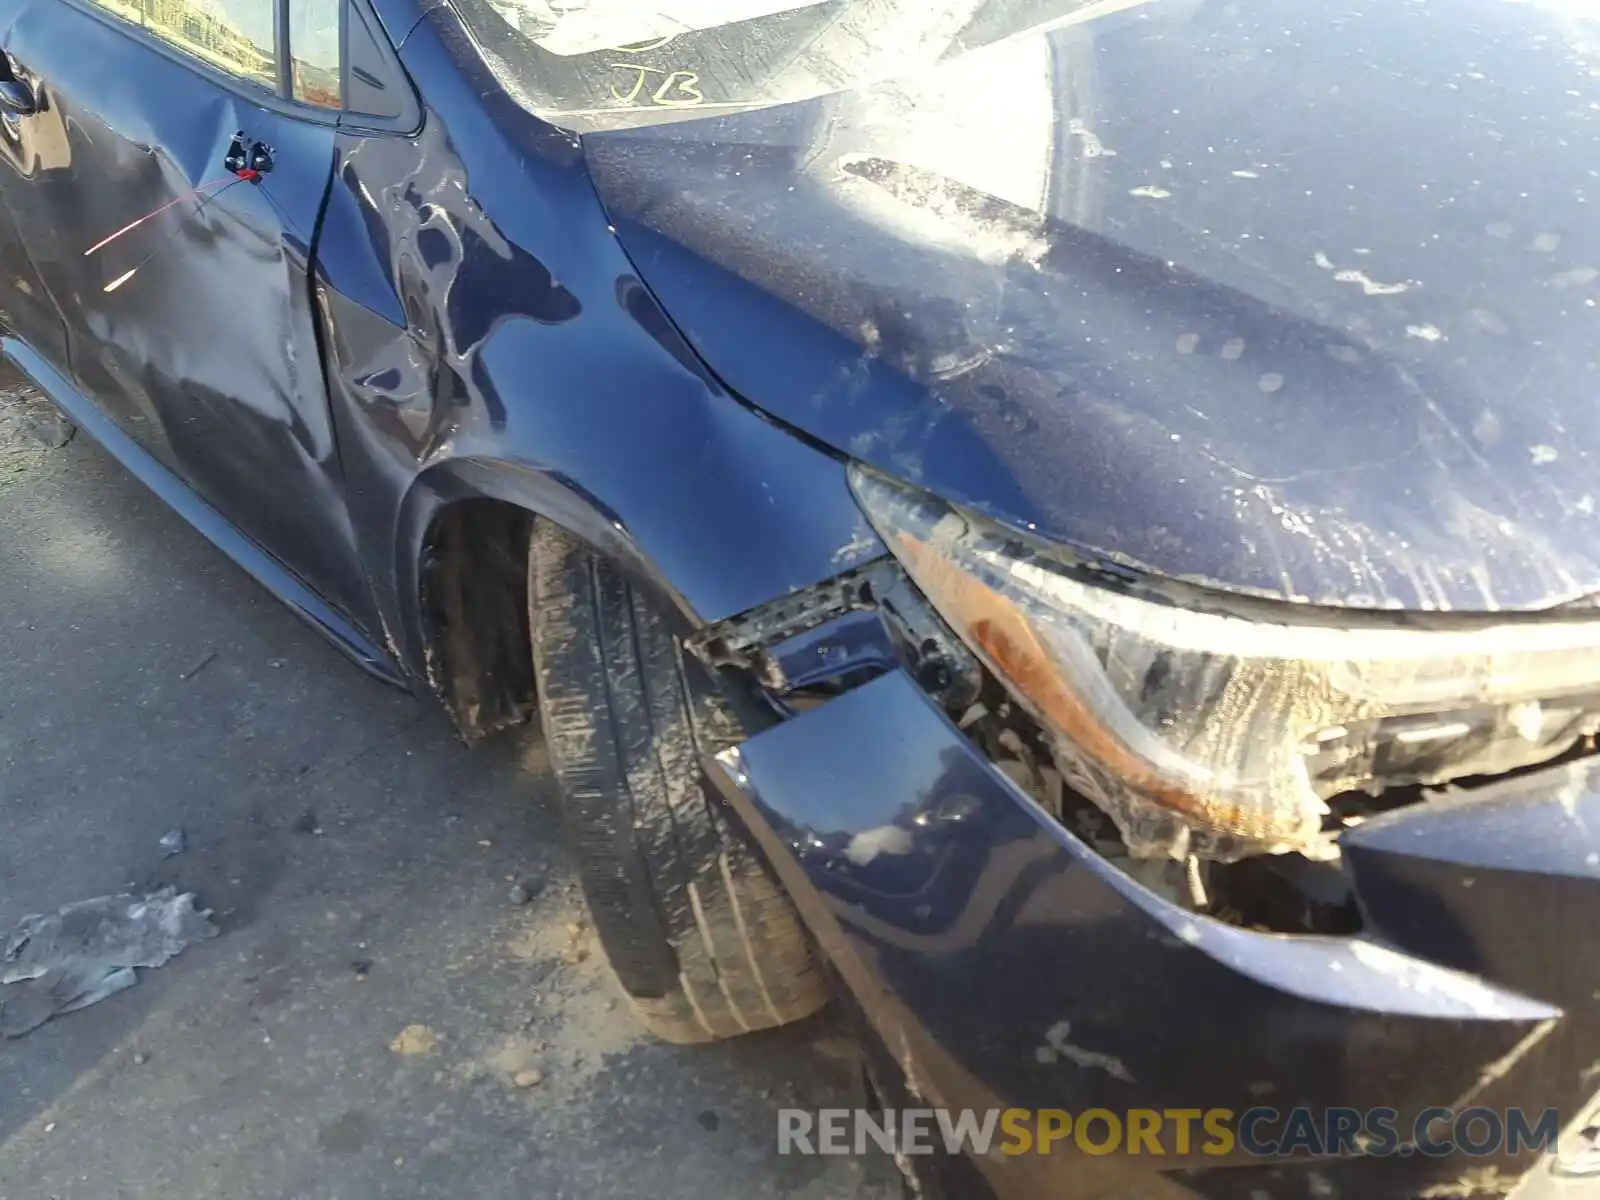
x=700 y=936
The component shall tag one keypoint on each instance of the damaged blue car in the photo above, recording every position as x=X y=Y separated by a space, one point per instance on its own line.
x=1065 y=526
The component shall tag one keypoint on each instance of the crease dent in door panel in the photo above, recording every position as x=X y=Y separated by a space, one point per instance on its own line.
x=194 y=328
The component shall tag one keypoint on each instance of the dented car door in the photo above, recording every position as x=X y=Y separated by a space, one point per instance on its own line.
x=168 y=183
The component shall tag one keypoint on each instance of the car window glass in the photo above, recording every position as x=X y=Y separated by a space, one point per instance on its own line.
x=372 y=87
x=235 y=36
x=314 y=50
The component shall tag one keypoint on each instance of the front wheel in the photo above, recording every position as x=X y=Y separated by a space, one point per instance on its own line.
x=700 y=936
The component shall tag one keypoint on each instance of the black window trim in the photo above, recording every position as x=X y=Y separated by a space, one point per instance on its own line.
x=280 y=100
x=284 y=51
x=410 y=118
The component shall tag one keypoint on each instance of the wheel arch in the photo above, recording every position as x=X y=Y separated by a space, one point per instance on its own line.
x=461 y=577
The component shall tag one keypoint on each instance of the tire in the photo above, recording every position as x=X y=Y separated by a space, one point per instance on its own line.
x=698 y=933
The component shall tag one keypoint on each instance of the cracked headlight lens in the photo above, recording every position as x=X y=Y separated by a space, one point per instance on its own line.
x=1212 y=724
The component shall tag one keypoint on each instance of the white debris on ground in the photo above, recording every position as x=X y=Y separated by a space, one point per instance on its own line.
x=59 y=962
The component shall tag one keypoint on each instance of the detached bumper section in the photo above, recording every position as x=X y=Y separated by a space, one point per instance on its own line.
x=1006 y=964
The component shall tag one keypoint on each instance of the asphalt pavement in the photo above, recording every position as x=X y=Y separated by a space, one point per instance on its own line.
x=378 y=1015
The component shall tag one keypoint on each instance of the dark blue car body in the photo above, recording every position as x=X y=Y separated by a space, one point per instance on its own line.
x=1305 y=311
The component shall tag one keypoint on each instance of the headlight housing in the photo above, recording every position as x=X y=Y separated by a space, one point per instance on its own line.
x=1207 y=723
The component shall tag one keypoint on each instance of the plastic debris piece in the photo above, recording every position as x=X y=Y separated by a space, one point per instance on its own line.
x=172 y=843
x=59 y=962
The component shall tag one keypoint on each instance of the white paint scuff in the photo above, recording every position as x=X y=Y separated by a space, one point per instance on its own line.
x=1056 y=1047
x=1371 y=286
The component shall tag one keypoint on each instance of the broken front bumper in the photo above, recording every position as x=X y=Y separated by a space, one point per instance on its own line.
x=1005 y=964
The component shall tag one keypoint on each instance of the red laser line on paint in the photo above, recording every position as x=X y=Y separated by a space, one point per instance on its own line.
x=244 y=176
x=231 y=177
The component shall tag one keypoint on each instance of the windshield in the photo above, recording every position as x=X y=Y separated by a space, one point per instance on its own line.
x=590 y=64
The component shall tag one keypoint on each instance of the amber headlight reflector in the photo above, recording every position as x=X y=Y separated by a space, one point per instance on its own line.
x=1213 y=724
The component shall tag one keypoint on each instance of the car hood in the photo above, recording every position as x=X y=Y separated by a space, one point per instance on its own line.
x=1286 y=298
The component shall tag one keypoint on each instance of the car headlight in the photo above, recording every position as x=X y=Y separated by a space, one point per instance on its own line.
x=1208 y=723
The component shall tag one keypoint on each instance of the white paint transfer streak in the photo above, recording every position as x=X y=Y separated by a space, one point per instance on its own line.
x=1150 y=191
x=1093 y=147
x=1371 y=286
x=1057 y=1047
x=1500 y=1067
x=1428 y=333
